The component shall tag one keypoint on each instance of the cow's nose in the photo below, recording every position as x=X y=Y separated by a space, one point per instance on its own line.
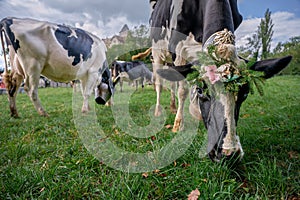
x=232 y=158
x=100 y=100
x=102 y=93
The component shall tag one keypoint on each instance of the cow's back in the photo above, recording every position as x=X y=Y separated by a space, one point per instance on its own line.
x=59 y=52
x=174 y=20
x=28 y=32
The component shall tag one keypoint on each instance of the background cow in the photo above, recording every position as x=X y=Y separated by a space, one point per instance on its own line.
x=58 y=52
x=134 y=71
x=180 y=30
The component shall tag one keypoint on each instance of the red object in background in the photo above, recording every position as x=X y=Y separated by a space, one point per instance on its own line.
x=1 y=83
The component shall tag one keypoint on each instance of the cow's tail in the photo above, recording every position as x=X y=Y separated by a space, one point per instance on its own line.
x=7 y=77
x=2 y=32
x=153 y=3
x=142 y=54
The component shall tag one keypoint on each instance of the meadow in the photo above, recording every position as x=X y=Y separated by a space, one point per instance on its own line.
x=47 y=158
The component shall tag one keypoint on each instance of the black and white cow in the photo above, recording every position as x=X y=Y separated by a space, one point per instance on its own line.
x=180 y=30
x=131 y=71
x=58 y=52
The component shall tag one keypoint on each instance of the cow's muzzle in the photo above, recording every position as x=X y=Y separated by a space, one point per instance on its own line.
x=222 y=142
x=102 y=93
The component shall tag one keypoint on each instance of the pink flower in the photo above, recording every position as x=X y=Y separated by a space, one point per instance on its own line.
x=211 y=74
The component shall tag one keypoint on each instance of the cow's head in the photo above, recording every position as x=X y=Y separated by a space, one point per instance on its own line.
x=118 y=67
x=219 y=109
x=105 y=89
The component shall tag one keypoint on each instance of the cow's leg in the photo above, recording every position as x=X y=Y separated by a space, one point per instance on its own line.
x=32 y=83
x=173 y=98
x=186 y=52
x=136 y=84
x=182 y=94
x=160 y=56
x=158 y=85
x=121 y=85
x=12 y=82
x=85 y=105
x=143 y=82
x=110 y=102
x=88 y=86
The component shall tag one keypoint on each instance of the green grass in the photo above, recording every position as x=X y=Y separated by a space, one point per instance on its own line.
x=44 y=158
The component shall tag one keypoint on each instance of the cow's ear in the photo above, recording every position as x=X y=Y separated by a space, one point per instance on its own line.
x=271 y=66
x=176 y=73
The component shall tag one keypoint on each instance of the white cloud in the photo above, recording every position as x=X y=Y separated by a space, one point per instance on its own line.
x=286 y=25
x=76 y=13
x=106 y=18
x=103 y=30
x=73 y=13
x=246 y=29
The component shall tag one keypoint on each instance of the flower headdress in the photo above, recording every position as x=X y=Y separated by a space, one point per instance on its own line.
x=220 y=64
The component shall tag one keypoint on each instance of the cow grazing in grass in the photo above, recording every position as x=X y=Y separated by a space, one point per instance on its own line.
x=180 y=30
x=131 y=71
x=58 y=52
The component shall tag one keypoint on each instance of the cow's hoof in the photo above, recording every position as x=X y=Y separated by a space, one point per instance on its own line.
x=15 y=115
x=84 y=111
x=178 y=126
x=157 y=111
x=13 y=112
x=43 y=113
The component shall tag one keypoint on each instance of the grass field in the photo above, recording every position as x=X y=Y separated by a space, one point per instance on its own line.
x=44 y=158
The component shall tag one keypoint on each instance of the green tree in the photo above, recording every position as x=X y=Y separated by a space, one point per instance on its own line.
x=265 y=33
x=291 y=47
x=140 y=35
x=254 y=45
x=260 y=41
x=137 y=41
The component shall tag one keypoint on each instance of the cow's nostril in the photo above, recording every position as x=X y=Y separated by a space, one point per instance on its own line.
x=234 y=157
x=100 y=100
x=225 y=156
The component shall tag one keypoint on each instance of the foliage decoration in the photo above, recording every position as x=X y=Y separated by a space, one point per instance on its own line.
x=214 y=69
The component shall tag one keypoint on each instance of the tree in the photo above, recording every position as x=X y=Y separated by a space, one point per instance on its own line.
x=265 y=34
x=291 y=47
x=137 y=41
x=260 y=41
x=254 y=45
x=141 y=36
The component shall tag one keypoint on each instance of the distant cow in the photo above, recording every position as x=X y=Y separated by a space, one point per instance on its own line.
x=58 y=52
x=44 y=82
x=131 y=71
x=180 y=30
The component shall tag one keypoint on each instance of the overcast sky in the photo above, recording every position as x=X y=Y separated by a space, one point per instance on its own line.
x=106 y=17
